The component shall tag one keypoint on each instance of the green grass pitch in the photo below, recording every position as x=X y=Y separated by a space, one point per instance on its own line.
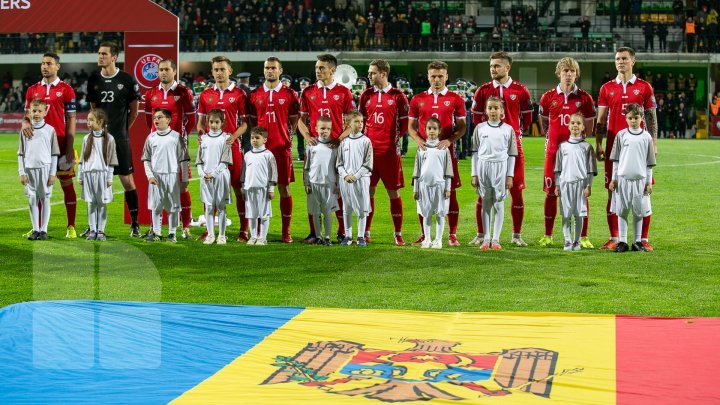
x=680 y=278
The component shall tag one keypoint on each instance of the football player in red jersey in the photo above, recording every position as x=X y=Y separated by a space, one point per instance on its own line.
x=449 y=108
x=60 y=100
x=614 y=96
x=224 y=95
x=385 y=111
x=556 y=107
x=178 y=99
x=331 y=99
x=518 y=114
x=275 y=107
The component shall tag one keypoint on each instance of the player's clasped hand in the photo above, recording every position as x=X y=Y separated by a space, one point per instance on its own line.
x=350 y=178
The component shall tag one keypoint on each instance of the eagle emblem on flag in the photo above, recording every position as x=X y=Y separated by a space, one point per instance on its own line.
x=426 y=370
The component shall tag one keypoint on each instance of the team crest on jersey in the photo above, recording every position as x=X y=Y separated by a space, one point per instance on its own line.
x=154 y=98
x=513 y=97
x=231 y=99
x=176 y=98
x=447 y=103
x=260 y=102
x=336 y=97
x=612 y=94
x=578 y=104
x=391 y=102
x=636 y=92
x=422 y=104
x=58 y=93
x=312 y=98
x=281 y=101
x=147 y=71
x=553 y=104
x=367 y=103
x=120 y=86
x=210 y=99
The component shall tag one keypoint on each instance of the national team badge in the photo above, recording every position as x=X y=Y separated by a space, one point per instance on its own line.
x=154 y=98
x=281 y=101
x=312 y=98
x=391 y=102
x=578 y=104
x=612 y=94
x=147 y=70
x=210 y=99
x=447 y=103
x=553 y=104
x=513 y=97
x=120 y=86
x=636 y=92
x=426 y=370
x=231 y=99
x=260 y=102
x=421 y=105
x=58 y=93
x=367 y=103
x=176 y=98
x=336 y=97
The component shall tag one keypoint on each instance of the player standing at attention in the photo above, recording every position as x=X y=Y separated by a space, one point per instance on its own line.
x=448 y=108
x=177 y=98
x=117 y=93
x=556 y=108
x=37 y=166
x=224 y=95
x=518 y=114
x=326 y=98
x=385 y=110
x=275 y=107
x=614 y=96
x=60 y=100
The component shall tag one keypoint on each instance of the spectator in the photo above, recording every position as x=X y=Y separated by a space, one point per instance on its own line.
x=690 y=35
x=662 y=33
x=606 y=78
x=660 y=83
x=671 y=83
x=624 y=8
x=678 y=8
x=635 y=9
x=661 y=113
x=711 y=30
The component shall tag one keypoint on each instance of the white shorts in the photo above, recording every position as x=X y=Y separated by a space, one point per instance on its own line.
x=491 y=180
x=356 y=196
x=572 y=201
x=322 y=200
x=95 y=189
x=166 y=194
x=37 y=183
x=257 y=204
x=432 y=200
x=630 y=196
x=216 y=192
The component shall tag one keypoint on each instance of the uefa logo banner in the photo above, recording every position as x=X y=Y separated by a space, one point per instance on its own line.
x=147 y=70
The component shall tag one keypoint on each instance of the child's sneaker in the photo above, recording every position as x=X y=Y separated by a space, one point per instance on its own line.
x=568 y=245
x=576 y=246
x=209 y=240
x=261 y=242
x=341 y=237
x=436 y=244
x=33 y=235
x=622 y=247
x=346 y=241
x=90 y=235
x=135 y=231
x=100 y=236
x=320 y=241
x=476 y=240
x=328 y=242
x=221 y=240
x=85 y=233
x=638 y=247
x=171 y=238
x=485 y=245
x=361 y=242
x=42 y=236
x=309 y=240
x=152 y=237
x=425 y=244
x=252 y=241
x=495 y=245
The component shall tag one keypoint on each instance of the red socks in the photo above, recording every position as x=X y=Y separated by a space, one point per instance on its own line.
x=612 y=221
x=312 y=224
x=551 y=206
x=241 y=214
x=286 y=213
x=396 y=210
x=517 y=210
x=478 y=216
x=586 y=220
x=645 y=227
x=70 y=203
x=185 y=211
x=340 y=218
x=370 y=216
x=453 y=213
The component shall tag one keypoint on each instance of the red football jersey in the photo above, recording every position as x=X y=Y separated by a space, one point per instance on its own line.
x=272 y=109
x=60 y=99
x=446 y=106
x=516 y=101
x=332 y=101
x=558 y=107
x=386 y=116
x=615 y=95
x=178 y=99
x=231 y=100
